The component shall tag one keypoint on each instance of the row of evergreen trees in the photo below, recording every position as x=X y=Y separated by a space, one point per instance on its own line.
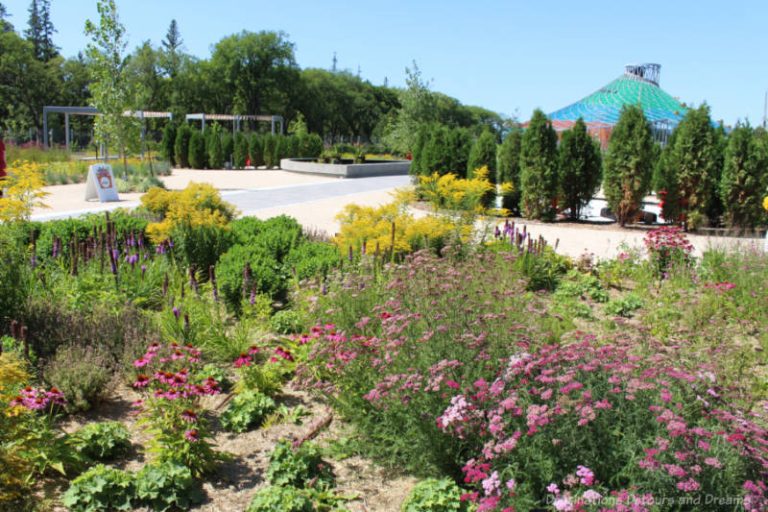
x=541 y=172
x=702 y=176
x=185 y=146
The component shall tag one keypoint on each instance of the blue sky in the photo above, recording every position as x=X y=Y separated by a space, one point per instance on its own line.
x=508 y=56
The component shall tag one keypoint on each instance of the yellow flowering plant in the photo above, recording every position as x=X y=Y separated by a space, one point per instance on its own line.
x=22 y=191
x=198 y=205
x=394 y=230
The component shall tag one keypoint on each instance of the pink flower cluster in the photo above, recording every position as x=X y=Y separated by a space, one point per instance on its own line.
x=36 y=399
x=171 y=378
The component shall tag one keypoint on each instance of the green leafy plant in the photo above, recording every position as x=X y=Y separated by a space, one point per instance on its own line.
x=433 y=495
x=297 y=466
x=287 y=322
x=246 y=410
x=624 y=306
x=103 y=441
x=98 y=489
x=275 y=498
x=167 y=486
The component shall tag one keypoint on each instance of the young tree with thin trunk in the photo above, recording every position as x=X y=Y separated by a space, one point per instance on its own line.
x=110 y=94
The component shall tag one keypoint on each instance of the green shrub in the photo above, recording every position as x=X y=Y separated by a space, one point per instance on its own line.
x=295 y=467
x=280 y=236
x=167 y=486
x=544 y=270
x=287 y=322
x=181 y=145
x=246 y=410
x=98 y=489
x=578 y=285
x=198 y=158
x=103 y=441
x=280 y=499
x=199 y=247
x=245 y=230
x=266 y=274
x=81 y=373
x=256 y=149
x=433 y=495
x=310 y=145
x=311 y=259
x=14 y=274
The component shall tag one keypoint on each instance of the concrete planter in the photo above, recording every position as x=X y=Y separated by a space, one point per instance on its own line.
x=366 y=170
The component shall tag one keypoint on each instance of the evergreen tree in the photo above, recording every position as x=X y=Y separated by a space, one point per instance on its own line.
x=171 y=46
x=214 y=147
x=311 y=146
x=271 y=148
x=628 y=164
x=256 y=148
x=744 y=176
x=240 y=151
x=715 y=210
x=664 y=182
x=483 y=153
x=690 y=167
x=417 y=155
x=198 y=159
x=459 y=145
x=508 y=169
x=580 y=165
x=538 y=168
x=40 y=31
x=5 y=25
x=228 y=147
x=437 y=153
x=181 y=145
x=168 y=143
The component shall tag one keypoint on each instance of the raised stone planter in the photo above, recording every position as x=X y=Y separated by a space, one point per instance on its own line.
x=366 y=170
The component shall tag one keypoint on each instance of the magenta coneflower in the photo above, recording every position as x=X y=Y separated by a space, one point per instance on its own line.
x=242 y=360
x=192 y=435
x=189 y=416
x=253 y=350
x=142 y=381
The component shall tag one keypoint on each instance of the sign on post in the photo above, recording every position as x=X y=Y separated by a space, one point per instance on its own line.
x=101 y=184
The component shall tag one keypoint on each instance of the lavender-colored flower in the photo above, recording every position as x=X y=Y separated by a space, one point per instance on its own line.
x=176 y=312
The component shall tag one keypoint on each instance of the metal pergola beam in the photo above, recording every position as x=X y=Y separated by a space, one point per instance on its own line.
x=91 y=111
x=236 y=118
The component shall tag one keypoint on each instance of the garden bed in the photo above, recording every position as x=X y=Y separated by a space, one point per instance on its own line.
x=347 y=170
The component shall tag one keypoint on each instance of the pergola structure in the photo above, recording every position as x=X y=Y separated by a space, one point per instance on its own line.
x=236 y=119
x=92 y=111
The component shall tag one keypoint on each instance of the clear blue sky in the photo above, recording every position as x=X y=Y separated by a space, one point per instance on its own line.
x=508 y=56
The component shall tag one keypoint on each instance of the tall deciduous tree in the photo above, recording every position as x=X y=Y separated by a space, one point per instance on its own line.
x=744 y=177
x=628 y=164
x=508 y=170
x=417 y=108
x=580 y=168
x=110 y=94
x=256 y=73
x=538 y=168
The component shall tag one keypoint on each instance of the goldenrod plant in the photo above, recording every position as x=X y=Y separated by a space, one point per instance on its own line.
x=22 y=191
